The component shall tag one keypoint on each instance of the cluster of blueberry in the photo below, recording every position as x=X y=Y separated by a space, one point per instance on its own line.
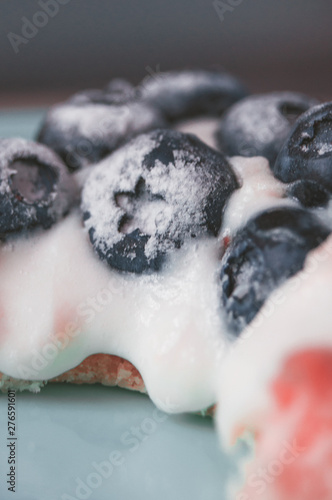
x=162 y=187
x=99 y=121
x=273 y=245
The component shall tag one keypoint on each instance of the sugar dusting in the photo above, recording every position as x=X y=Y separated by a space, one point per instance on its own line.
x=114 y=182
x=82 y=134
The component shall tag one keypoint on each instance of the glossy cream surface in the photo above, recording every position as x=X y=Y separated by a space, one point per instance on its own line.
x=59 y=304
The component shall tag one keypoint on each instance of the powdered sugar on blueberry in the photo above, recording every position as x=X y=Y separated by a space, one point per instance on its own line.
x=259 y=124
x=184 y=182
x=88 y=128
x=183 y=94
x=35 y=188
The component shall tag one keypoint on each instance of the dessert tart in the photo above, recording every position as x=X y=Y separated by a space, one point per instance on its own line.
x=135 y=281
x=156 y=260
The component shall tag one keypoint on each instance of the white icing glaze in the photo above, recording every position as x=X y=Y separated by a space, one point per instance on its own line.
x=297 y=316
x=59 y=304
x=168 y=325
x=259 y=191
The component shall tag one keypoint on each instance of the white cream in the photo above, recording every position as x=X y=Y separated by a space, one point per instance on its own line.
x=59 y=304
x=204 y=128
x=167 y=324
x=259 y=191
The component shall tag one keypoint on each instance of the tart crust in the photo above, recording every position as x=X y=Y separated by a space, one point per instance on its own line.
x=106 y=369
x=100 y=368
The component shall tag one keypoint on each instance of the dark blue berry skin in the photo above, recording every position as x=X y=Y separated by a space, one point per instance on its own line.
x=119 y=255
x=259 y=124
x=310 y=194
x=35 y=188
x=93 y=123
x=269 y=249
x=307 y=152
x=187 y=181
x=185 y=94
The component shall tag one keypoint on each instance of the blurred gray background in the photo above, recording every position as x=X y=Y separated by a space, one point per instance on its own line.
x=270 y=44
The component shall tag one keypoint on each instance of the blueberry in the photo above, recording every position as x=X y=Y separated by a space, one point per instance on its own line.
x=259 y=124
x=184 y=94
x=92 y=124
x=269 y=249
x=93 y=96
x=307 y=152
x=146 y=198
x=121 y=90
x=118 y=91
x=35 y=188
x=309 y=193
